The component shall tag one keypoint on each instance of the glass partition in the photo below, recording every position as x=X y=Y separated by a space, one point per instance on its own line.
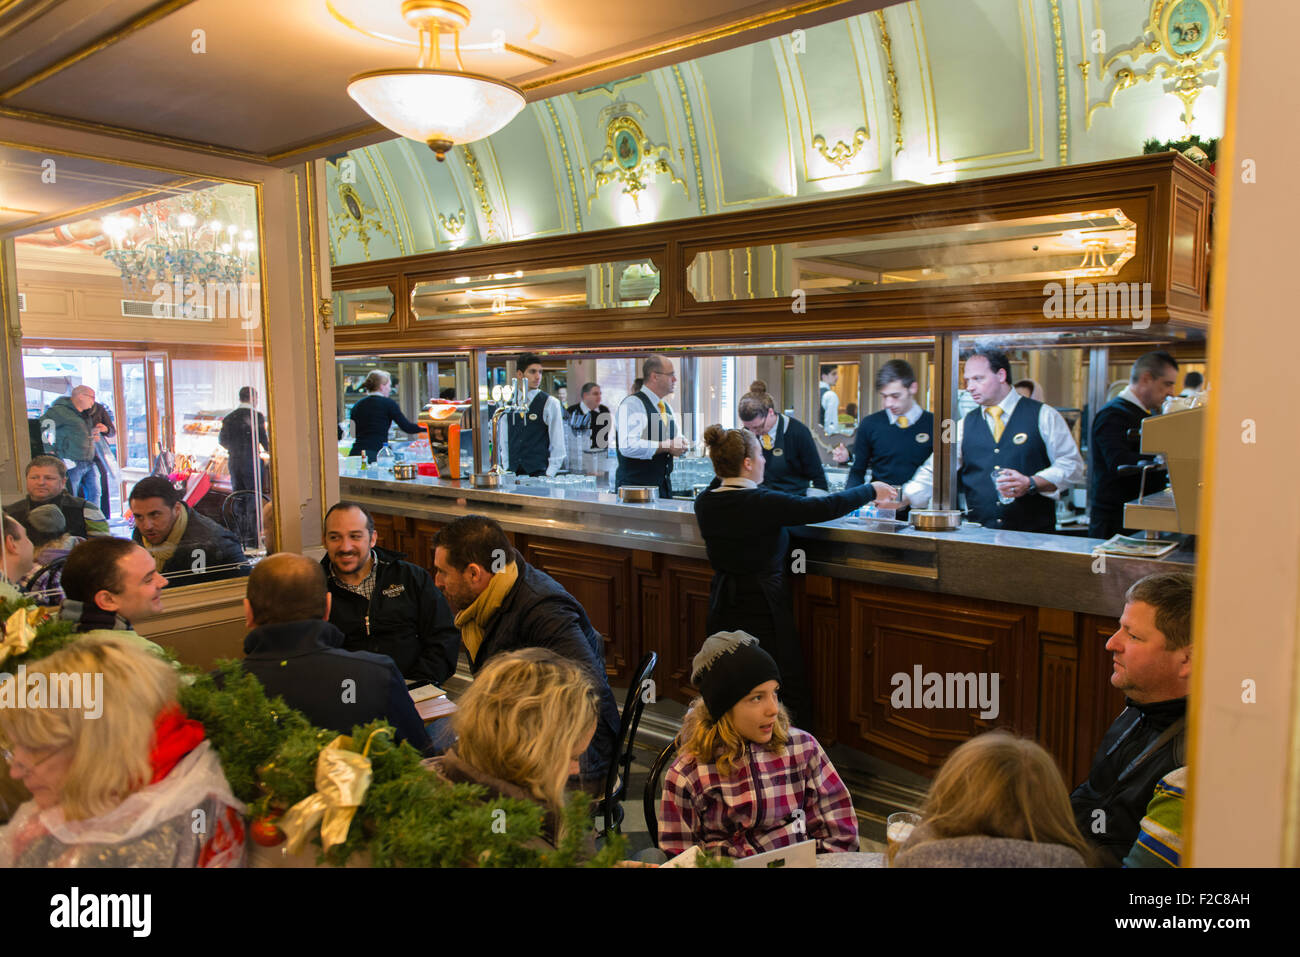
x=363 y=307
x=1087 y=244
x=145 y=384
x=629 y=284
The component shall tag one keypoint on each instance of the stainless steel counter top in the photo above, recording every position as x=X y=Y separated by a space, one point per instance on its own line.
x=1053 y=571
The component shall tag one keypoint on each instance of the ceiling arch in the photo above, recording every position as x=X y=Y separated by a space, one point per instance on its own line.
x=920 y=92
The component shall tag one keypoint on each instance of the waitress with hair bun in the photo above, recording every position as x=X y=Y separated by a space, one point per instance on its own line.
x=744 y=530
x=790 y=458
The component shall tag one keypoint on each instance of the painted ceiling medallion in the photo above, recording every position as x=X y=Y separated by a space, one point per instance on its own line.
x=630 y=158
x=1180 y=34
x=841 y=154
x=441 y=108
x=361 y=219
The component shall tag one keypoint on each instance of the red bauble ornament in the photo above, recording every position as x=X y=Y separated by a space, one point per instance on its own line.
x=265 y=832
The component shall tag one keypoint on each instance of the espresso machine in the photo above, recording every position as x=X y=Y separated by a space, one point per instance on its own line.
x=1177 y=437
x=449 y=432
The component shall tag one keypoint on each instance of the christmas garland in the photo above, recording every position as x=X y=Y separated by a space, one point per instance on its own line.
x=409 y=816
x=1209 y=147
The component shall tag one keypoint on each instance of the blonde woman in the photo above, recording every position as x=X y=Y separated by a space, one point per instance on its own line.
x=119 y=779
x=522 y=726
x=374 y=415
x=998 y=801
x=744 y=781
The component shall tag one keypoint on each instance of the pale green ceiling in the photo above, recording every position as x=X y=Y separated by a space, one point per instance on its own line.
x=979 y=86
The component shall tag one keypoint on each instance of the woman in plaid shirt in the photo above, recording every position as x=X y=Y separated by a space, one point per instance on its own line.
x=747 y=782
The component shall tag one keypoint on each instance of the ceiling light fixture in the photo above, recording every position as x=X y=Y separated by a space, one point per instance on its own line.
x=441 y=108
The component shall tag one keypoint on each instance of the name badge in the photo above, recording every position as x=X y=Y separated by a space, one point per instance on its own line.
x=392 y=591
x=922 y=438
x=532 y=416
x=1020 y=438
x=778 y=451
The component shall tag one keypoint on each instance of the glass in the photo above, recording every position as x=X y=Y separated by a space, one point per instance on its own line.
x=1082 y=245
x=361 y=307
x=613 y=285
x=14 y=763
x=135 y=423
x=899 y=827
x=1002 y=499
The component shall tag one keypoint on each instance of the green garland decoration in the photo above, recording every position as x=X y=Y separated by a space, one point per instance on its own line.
x=1209 y=146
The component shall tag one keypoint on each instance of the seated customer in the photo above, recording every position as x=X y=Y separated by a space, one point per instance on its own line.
x=187 y=547
x=383 y=604
x=1160 y=837
x=998 y=801
x=116 y=780
x=49 y=534
x=46 y=479
x=297 y=654
x=746 y=782
x=522 y=726
x=1152 y=652
x=503 y=604
x=18 y=553
x=108 y=583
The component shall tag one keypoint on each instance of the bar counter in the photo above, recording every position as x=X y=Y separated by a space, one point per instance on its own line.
x=1035 y=609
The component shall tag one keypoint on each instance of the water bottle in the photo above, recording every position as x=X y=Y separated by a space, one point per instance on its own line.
x=385 y=458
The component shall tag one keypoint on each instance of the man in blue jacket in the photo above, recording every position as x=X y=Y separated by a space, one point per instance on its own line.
x=297 y=654
x=383 y=604
x=503 y=604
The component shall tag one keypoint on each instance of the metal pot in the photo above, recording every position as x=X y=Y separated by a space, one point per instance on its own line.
x=493 y=479
x=935 y=519
x=638 y=493
x=406 y=470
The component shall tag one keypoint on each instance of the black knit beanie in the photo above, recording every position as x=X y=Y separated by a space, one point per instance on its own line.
x=729 y=666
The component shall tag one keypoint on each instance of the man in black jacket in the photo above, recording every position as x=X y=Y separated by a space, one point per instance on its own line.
x=243 y=433
x=296 y=654
x=1152 y=654
x=502 y=604
x=1152 y=380
x=383 y=604
x=188 y=548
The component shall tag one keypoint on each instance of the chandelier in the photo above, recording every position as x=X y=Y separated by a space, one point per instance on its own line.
x=164 y=246
x=438 y=107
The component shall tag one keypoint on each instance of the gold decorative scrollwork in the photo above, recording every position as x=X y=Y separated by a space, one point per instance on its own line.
x=841 y=154
x=1180 y=33
x=630 y=158
x=896 y=110
x=480 y=190
x=453 y=225
x=360 y=218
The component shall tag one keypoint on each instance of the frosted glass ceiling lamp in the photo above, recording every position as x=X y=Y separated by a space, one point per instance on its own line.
x=441 y=108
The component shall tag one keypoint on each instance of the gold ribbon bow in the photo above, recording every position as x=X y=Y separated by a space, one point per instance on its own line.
x=20 y=631
x=342 y=779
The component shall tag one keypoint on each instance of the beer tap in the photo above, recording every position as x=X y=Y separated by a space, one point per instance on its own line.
x=512 y=401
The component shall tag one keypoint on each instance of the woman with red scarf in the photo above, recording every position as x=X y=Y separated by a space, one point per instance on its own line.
x=119 y=777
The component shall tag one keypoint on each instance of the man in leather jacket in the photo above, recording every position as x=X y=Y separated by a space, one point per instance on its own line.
x=1152 y=657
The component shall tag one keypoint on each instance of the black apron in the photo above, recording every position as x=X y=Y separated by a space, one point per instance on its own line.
x=764 y=608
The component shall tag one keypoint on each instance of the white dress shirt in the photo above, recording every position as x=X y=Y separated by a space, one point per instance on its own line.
x=913 y=413
x=1129 y=396
x=1066 y=466
x=631 y=423
x=553 y=417
x=830 y=410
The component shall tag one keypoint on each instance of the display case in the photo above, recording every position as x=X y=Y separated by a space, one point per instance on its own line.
x=197 y=448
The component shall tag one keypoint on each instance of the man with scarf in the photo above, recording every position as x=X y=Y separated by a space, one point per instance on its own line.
x=503 y=604
x=189 y=547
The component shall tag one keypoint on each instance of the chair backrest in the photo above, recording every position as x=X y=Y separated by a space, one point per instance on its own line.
x=240 y=513
x=46 y=583
x=654 y=789
x=621 y=760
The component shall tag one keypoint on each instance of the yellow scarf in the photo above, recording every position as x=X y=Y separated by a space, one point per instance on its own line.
x=475 y=618
x=163 y=553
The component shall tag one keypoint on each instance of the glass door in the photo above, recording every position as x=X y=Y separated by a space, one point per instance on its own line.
x=143 y=410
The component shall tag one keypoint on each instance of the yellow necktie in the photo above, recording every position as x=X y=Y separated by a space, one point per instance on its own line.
x=902 y=421
x=663 y=417
x=767 y=442
x=996 y=412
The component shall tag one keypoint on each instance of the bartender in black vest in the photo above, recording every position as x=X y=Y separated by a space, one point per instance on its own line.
x=791 y=462
x=647 y=432
x=1026 y=441
x=532 y=442
x=1153 y=379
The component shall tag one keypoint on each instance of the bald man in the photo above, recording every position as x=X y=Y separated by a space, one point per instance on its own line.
x=69 y=435
x=296 y=653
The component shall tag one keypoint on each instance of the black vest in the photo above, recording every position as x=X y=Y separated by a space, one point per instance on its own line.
x=980 y=455
x=777 y=473
x=530 y=440
x=652 y=471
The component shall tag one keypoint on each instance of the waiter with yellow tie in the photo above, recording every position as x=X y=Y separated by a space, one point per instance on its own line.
x=1014 y=454
x=646 y=430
